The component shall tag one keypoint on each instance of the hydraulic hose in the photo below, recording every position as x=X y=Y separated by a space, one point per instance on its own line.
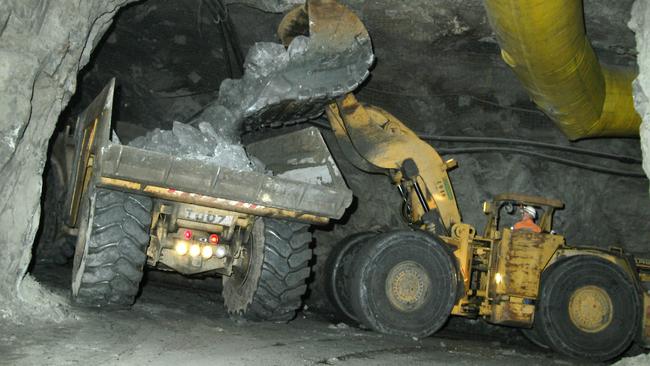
x=507 y=141
x=556 y=159
x=495 y=140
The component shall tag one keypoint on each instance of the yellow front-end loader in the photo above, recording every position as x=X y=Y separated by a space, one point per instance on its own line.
x=583 y=302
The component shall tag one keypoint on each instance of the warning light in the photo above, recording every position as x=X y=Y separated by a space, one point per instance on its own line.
x=214 y=239
x=187 y=234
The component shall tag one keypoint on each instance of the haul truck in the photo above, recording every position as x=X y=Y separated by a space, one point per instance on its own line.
x=131 y=207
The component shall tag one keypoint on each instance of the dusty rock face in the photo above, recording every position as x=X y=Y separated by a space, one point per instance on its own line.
x=640 y=24
x=273 y=6
x=43 y=44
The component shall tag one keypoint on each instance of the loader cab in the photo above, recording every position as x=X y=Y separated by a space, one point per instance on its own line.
x=502 y=212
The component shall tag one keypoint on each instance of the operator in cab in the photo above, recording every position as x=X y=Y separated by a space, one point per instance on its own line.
x=527 y=222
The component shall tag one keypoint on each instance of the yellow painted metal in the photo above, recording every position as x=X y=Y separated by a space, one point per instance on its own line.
x=208 y=201
x=545 y=44
x=619 y=261
x=325 y=22
x=520 y=258
x=517 y=260
x=463 y=237
x=511 y=311
x=385 y=142
x=645 y=327
x=84 y=170
x=591 y=309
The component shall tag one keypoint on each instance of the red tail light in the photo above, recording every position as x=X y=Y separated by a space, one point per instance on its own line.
x=187 y=234
x=214 y=239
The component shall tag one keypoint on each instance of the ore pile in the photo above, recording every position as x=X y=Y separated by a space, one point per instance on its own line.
x=204 y=143
x=286 y=85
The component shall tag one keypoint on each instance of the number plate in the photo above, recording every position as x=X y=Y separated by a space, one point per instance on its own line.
x=208 y=217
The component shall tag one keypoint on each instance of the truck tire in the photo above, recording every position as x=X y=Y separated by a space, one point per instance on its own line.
x=111 y=246
x=405 y=283
x=273 y=278
x=588 y=308
x=338 y=273
x=54 y=245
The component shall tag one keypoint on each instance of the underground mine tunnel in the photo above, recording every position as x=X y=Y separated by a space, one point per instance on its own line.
x=274 y=182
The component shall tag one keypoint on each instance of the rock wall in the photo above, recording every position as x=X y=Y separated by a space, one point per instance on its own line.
x=43 y=45
x=273 y=6
x=640 y=24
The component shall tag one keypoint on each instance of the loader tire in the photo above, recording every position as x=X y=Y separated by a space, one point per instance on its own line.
x=535 y=336
x=111 y=246
x=405 y=283
x=338 y=273
x=270 y=283
x=588 y=308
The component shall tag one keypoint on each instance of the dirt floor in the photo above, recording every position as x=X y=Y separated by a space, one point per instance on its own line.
x=170 y=325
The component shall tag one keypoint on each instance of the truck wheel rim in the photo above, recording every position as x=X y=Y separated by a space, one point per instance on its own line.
x=407 y=286
x=590 y=309
x=249 y=252
x=241 y=269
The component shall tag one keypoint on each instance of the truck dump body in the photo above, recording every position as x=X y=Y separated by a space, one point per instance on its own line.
x=168 y=176
x=205 y=182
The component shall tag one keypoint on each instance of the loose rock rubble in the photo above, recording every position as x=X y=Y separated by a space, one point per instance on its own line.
x=203 y=143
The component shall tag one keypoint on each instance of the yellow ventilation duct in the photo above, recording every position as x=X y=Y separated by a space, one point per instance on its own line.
x=545 y=44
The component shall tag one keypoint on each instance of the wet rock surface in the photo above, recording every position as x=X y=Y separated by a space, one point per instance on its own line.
x=171 y=326
x=638 y=360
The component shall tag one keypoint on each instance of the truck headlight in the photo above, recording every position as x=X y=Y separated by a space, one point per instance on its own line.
x=181 y=247
x=195 y=250
x=206 y=252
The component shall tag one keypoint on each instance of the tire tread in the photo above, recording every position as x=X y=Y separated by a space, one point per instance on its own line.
x=116 y=250
x=285 y=271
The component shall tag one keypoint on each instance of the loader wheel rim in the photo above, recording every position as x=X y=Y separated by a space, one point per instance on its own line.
x=407 y=285
x=591 y=309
